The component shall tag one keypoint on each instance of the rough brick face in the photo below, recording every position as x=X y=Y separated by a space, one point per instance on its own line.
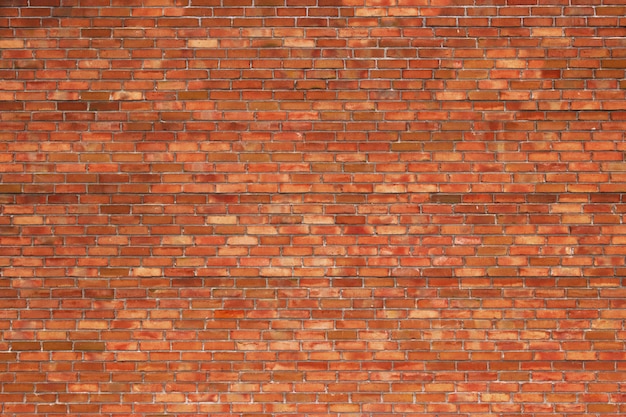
x=312 y=208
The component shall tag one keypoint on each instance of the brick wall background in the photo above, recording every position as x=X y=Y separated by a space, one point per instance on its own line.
x=312 y=208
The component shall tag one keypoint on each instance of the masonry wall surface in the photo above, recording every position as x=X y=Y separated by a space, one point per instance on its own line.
x=312 y=208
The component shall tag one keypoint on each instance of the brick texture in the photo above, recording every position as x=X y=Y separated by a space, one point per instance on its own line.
x=312 y=208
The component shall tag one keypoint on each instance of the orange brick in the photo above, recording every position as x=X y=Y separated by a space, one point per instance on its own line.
x=373 y=207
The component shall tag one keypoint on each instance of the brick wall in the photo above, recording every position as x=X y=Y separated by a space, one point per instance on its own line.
x=312 y=208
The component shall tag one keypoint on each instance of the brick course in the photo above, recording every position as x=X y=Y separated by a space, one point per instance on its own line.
x=312 y=208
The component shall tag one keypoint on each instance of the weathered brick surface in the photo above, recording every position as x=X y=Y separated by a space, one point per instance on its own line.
x=312 y=208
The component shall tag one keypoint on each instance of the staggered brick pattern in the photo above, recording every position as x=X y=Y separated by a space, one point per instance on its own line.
x=312 y=208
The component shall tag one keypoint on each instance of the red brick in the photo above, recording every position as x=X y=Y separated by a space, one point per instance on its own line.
x=379 y=207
